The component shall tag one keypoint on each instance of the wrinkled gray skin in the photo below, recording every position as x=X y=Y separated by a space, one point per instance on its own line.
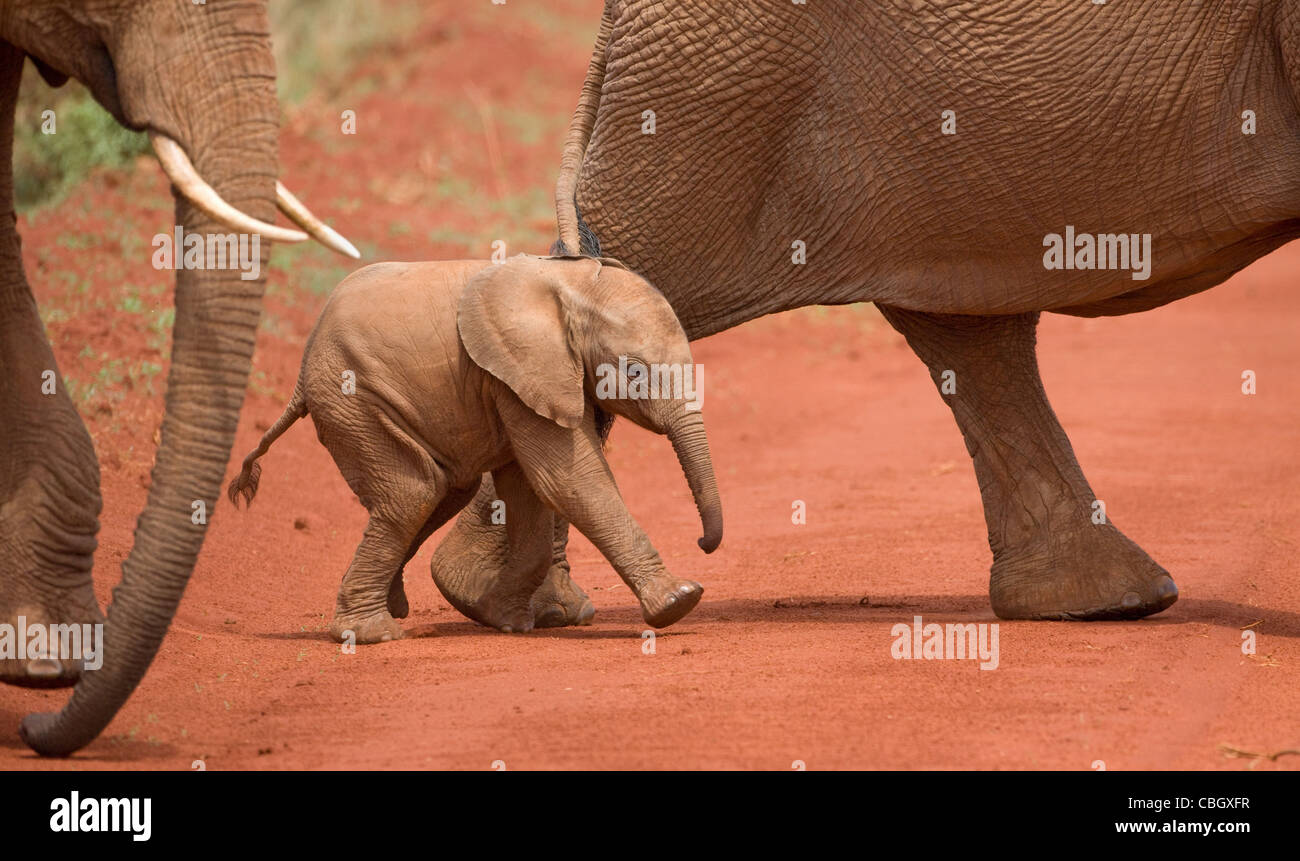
x=420 y=377
x=203 y=76
x=822 y=123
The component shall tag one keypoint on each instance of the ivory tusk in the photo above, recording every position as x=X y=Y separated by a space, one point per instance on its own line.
x=319 y=230
x=180 y=170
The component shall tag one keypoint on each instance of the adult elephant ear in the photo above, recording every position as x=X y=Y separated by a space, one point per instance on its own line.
x=517 y=322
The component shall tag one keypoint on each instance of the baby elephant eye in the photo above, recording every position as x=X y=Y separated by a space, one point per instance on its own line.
x=636 y=371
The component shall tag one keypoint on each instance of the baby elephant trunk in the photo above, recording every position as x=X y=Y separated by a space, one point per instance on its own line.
x=692 y=448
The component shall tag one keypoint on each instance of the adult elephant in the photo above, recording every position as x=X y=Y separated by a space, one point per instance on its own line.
x=200 y=78
x=934 y=157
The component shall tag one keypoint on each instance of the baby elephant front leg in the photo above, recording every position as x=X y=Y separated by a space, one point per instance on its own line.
x=567 y=469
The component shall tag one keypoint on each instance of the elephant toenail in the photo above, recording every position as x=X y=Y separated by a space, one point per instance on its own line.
x=44 y=668
x=1166 y=591
x=1131 y=601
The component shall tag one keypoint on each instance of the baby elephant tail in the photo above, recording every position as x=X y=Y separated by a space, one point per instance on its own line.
x=245 y=484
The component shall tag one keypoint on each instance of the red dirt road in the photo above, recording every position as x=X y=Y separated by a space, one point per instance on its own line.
x=788 y=656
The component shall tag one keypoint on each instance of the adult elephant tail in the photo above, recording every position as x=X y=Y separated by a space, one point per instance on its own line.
x=575 y=145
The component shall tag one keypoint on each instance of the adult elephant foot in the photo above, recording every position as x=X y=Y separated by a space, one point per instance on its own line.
x=473 y=562
x=49 y=497
x=1055 y=553
x=1086 y=575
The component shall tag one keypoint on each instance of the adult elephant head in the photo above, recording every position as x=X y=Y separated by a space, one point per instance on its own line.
x=200 y=79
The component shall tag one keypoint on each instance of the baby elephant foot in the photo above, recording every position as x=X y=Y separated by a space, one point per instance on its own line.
x=559 y=602
x=663 y=603
x=377 y=628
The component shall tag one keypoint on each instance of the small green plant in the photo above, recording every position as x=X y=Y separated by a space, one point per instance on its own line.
x=160 y=330
x=131 y=303
x=47 y=166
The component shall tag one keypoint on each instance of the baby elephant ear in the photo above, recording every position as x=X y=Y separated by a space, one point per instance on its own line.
x=515 y=323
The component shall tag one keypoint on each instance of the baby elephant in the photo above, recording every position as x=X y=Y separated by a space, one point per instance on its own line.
x=420 y=377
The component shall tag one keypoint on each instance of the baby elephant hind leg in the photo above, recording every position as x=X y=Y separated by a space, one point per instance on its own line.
x=361 y=613
x=402 y=494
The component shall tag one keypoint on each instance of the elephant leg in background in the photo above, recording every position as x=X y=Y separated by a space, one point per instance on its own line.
x=49 y=483
x=455 y=500
x=558 y=601
x=476 y=556
x=1050 y=560
x=49 y=475
x=528 y=533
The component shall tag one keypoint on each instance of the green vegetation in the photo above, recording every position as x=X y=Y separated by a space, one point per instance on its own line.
x=309 y=270
x=523 y=220
x=531 y=127
x=47 y=166
x=318 y=42
x=112 y=380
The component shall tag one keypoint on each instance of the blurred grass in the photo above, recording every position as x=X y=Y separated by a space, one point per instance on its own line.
x=316 y=44
x=47 y=166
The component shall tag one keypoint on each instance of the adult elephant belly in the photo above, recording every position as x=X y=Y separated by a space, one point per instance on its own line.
x=988 y=229
x=931 y=161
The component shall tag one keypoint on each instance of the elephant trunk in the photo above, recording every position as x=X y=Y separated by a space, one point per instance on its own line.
x=691 y=444
x=217 y=310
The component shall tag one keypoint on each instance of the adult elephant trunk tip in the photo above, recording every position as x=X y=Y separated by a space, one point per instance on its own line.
x=38 y=731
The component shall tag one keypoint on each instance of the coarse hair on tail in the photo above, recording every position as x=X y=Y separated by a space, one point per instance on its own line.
x=245 y=484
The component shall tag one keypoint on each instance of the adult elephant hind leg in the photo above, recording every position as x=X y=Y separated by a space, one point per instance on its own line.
x=476 y=553
x=1050 y=559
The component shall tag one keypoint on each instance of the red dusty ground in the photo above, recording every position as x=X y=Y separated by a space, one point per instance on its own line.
x=788 y=657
